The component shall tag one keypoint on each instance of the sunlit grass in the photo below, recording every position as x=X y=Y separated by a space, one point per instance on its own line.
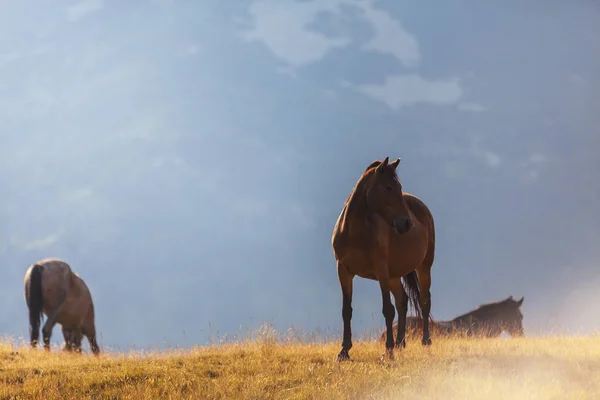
x=271 y=366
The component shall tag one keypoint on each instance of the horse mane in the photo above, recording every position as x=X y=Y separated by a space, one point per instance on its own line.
x=355 y=203
x=373 y=164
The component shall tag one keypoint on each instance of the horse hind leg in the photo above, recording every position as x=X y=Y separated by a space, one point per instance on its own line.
x=424 y=276
x=401 y=300
x=346 y=284
x=51 y=321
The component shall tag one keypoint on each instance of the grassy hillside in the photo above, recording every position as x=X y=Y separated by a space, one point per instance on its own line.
x=530 y=368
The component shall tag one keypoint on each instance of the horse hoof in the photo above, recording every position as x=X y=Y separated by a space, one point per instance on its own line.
x=388 y=355
x=401 y=345
x=426 y=342
x=343 y=356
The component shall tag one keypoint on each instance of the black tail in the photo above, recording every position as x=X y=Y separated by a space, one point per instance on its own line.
x=35 y=302
x=411 y=286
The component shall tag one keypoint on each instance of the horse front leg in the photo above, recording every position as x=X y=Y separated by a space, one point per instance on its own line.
x=401 y=300
x=389 y=313
x=379 y=257
x=346 y=284
x=68 y=337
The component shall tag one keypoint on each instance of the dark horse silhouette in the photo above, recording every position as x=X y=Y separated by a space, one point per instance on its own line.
x=385 y=235
x=488 y=320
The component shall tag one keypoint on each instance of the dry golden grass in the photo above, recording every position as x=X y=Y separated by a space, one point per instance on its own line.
x=264 y=368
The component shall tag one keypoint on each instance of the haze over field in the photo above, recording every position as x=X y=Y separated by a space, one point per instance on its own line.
x=189 y=159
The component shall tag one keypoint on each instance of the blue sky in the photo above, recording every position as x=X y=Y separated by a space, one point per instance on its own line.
x=189 y=159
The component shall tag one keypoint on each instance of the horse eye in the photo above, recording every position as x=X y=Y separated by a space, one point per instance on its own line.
x=388 y=188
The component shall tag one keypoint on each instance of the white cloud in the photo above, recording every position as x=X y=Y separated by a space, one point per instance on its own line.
x=404 y=90
x=45 y=242
x=532 y=165
x=492 y=159
x=80 y=9
x=282 y=27
x=389 y=36
x=472 y=107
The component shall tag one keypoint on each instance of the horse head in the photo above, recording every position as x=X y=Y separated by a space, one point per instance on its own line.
x=512 y=317
x=383 y=192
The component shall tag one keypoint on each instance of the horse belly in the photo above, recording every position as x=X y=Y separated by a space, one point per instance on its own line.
x=71 y=313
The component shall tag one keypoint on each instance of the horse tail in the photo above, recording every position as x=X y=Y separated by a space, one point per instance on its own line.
x=411 y=287
x=35 y=302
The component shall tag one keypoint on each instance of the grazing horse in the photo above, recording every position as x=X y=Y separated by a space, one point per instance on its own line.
x=488 y=320
x=51 y=288
x=386 y=235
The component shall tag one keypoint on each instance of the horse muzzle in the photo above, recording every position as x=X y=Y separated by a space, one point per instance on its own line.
x=402 y=224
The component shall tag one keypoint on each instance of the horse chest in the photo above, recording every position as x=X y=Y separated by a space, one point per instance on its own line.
x=409 y=249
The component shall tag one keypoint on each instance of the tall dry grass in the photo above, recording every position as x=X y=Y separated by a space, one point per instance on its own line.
x=273 y=367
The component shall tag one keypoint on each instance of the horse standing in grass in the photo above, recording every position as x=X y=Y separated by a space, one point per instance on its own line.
x=51 y=288
x=488 y=320
x=385 y=235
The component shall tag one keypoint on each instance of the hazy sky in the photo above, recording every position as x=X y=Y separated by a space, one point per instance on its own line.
x=189 y=158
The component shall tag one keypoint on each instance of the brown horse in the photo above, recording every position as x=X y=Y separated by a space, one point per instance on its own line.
x=51 y=288
x=488 y=320
x=385 y=235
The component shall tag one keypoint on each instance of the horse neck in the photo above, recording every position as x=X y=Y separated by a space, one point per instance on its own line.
x=356 y=208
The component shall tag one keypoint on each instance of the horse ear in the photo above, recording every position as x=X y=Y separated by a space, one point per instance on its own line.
x=394 y=164
x=520 y=301
x=383 y=165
